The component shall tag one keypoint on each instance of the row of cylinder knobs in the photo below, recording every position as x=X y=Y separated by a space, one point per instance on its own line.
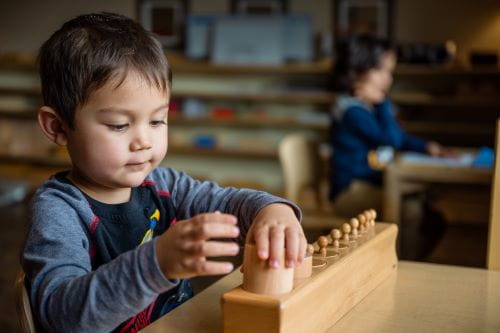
x=350 y=232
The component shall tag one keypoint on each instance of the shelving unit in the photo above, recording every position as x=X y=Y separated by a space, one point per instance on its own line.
x=453 y=105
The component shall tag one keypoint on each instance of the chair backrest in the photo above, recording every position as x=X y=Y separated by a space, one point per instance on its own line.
x=301 y=165
x=493 y=255
x=23 y=307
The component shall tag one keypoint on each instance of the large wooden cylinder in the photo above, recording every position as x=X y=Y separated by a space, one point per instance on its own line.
x=304 y=270
x=260 y=278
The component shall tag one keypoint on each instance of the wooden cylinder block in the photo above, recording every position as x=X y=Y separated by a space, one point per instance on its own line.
x=304 y=270
x=260 y=278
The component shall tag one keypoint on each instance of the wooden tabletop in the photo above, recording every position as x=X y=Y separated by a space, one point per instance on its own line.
x=442 y=173
x=420 y=297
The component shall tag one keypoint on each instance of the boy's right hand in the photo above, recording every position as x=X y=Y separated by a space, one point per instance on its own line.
x=183 y=249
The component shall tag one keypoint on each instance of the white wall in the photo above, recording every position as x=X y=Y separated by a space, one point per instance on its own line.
x=26 y=24
x=473 y=24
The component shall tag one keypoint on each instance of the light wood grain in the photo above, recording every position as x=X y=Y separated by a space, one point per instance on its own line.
x=429 y=298
x=23 y=307
x=419 y=298
x=317 y=302
x=260 y=278
x=493 y=255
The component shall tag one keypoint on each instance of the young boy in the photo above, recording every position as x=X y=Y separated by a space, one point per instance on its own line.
x=113 y=240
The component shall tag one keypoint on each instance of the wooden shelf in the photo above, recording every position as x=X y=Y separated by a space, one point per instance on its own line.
x=30 y=91
x=182 y=65
x=407 y=69
x=47 y=161
x=290 y=97
x=19 y=114
x=246 y=123
x=23 y=61
x=411 y=98
x=222 y=152
x=448 y=128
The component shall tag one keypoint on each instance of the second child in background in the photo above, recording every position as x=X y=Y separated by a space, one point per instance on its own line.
x=363 y=120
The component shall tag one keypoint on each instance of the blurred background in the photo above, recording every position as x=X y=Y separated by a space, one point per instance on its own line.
x=247 y=74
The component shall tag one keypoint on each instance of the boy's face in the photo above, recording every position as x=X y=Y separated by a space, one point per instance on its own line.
x=120 y=134
x=375 y=84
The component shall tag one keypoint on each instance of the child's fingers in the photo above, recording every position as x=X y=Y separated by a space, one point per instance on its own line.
x=223 y=217
x=201 y=266
x=212 y=248
x=277 y=243
x=302 y=247
x=205 y=227
x=261 y=237
x=292 y=247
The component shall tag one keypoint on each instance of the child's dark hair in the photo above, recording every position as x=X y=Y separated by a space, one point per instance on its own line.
x=355 y=56
x=88 y=51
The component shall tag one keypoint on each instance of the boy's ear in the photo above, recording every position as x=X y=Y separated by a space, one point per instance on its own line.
x=52 y=126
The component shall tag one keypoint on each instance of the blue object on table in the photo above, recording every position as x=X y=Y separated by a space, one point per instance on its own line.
x=485 y=158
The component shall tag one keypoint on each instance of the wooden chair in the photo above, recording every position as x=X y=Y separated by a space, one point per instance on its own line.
x=23 y=307
x=493 y=255
x=301 y=166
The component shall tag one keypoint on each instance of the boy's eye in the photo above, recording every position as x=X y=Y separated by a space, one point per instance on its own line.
x=120 y=127
x=158 y=122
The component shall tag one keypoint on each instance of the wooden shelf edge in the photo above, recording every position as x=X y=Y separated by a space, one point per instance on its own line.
x=246 y=123
x=223 y=152
x=46 y=161
x=302 y=97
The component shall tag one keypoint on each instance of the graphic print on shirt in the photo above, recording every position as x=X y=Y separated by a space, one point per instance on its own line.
x=153 y=221
x=121 y=228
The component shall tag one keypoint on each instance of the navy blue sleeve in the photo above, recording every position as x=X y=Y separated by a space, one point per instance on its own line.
x=379 y=128
x=413 y=143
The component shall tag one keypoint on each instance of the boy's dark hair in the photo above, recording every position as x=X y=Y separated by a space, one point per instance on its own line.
x=88 y=51
x=355 y=56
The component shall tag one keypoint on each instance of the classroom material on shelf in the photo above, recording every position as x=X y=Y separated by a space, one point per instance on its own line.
x=338 y=272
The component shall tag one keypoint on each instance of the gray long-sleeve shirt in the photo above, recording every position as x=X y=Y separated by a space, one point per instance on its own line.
x=68 y=295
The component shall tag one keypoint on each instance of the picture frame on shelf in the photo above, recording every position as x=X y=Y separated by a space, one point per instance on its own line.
x=166 y=19
x=363 y=16
x=259 y=7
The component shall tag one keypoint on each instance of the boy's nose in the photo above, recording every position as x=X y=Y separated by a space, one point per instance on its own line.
x=140 y=141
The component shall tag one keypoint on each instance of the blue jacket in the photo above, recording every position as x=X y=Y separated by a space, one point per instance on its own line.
x=357 y=128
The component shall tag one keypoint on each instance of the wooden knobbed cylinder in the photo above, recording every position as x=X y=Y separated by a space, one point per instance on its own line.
x=260 y=278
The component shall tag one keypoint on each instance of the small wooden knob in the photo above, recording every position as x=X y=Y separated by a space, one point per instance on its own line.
x=345 y=239
x=335 y=234
x=322 y=242
x=346 y=228
x=354 y=222
x=361 y=218
x=310 y=249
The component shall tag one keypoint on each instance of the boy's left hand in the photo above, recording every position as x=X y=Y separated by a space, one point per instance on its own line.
x=276 y=229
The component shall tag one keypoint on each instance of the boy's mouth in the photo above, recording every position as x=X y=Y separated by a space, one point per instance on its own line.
x=137 y=165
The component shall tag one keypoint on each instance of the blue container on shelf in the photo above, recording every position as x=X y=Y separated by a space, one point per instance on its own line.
x=204 y=141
